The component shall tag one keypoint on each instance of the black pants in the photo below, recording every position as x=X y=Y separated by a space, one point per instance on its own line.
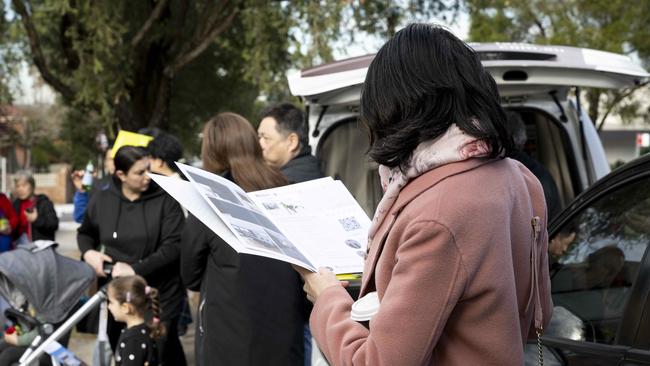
x=170 y=350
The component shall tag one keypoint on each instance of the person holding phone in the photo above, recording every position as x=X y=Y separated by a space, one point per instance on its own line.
x=136 y=226
x=37 y=219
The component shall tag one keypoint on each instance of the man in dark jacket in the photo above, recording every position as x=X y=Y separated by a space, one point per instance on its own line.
x=284 y=138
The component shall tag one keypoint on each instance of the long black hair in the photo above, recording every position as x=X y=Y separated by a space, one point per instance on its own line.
x=419 y=83
x=126 y=156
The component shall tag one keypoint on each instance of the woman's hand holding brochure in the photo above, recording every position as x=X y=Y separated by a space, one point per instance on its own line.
x=311 y=224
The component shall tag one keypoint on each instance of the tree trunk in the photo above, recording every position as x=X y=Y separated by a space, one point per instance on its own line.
x=28 y=158
x=593 y=97
x=160 y=113
x=157 y=62
x=124 y=116
x=145 y=106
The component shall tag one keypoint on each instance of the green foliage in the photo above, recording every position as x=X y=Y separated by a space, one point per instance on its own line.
x=211 y=84
x=644 y=150
x=44 y=153
x=173 y=64
x=385 y=17
x=76 y=144
x=5 y=95
x=609 y=25
x=9 y=59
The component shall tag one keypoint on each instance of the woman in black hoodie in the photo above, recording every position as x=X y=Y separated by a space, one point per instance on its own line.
x=251 y=308
x=135 y=225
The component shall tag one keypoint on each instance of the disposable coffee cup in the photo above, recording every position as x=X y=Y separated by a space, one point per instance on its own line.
x=365 y=308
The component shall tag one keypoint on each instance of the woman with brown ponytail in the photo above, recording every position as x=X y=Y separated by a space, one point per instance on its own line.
x=129 y=300
x=251 y=309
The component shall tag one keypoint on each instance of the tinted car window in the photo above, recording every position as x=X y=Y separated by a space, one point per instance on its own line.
x=594 y=261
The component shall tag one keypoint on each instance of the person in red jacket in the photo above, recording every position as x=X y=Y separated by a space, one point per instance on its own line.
x=8 y=223
x=37 y=218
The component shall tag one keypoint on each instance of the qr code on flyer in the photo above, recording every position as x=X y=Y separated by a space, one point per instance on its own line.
x=350 y=223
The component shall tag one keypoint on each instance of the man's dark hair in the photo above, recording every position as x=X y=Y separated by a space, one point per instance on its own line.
x=167 y=148
x=419 y=83
x=289 y=119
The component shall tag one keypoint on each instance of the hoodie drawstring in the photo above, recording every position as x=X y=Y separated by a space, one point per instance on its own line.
x=117 y=218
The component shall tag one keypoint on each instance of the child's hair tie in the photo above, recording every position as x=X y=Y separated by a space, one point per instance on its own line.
x=128 y=296
x=155 y=320
x=147 y=290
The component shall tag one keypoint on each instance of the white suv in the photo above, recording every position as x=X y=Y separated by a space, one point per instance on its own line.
x=533 y=80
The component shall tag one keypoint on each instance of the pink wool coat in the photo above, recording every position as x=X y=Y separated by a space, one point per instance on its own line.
x=451 y=263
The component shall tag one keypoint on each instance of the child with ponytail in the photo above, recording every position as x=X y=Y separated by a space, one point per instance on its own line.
x=129 y=300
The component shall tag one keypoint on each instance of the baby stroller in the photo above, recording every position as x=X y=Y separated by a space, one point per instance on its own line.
x=35 y=276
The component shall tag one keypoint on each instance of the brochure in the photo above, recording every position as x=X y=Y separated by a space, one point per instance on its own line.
x=311 y=224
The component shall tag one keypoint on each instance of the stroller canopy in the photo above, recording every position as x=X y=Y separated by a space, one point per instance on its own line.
x=51 y=283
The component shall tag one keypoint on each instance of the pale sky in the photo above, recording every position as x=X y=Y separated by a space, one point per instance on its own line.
x=31 y=93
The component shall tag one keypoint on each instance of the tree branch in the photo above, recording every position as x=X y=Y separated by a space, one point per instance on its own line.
x=618 y=100
x=536 y=20
x=160 y=116
x=203 y=28
x=541 y=28
x=187 y=57
x=177 y=38
x=155 y=14
x=37 y=53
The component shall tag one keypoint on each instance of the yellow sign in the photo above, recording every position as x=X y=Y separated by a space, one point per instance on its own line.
x=127 y=138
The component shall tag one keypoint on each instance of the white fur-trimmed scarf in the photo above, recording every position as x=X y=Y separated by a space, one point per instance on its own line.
x=453 y=146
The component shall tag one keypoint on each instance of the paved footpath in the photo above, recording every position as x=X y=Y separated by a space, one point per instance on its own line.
x=83 y=344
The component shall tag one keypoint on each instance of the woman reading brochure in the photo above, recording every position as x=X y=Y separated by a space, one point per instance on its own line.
x=251 y=307
x=454 y=236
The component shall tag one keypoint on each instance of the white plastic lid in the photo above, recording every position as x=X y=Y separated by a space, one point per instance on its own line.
x=365 y=308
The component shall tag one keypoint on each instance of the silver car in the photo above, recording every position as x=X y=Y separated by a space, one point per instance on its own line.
x=534 y=81
x=600 y=274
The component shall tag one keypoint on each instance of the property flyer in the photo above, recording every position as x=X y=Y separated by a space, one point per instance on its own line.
x=311 y=224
